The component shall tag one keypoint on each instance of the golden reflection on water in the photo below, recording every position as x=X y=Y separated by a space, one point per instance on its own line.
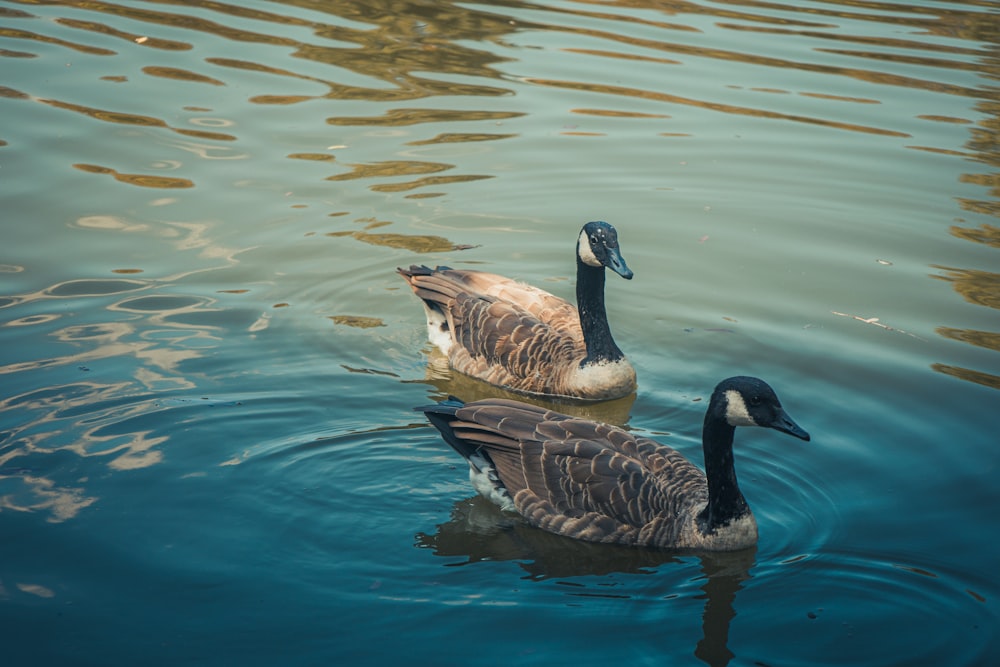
x=142 y=180
x=135 y=119
x=978 y=286
x=39 y=494
x=402 y=117
x=159 y=332
x=14 y=33
x=391 y=53
x=981 y=288
x=180 y=75
x=417 y=243
x=399 y=54
x=144 y=40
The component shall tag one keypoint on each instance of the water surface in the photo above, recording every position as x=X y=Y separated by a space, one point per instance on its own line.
x=208 y=363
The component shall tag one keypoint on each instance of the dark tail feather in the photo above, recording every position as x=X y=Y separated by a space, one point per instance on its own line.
x=420 y=270
x=441 y=415
x=415 y=270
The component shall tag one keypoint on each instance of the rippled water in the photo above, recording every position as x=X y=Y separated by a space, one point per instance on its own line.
x=208 y=363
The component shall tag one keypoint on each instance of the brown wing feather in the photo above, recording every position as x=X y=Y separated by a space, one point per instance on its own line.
x=544 y=306
x=506 y=333
x=583 y=479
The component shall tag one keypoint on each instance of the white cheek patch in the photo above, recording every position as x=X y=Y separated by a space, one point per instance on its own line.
x=736 y=410
x=584 y=251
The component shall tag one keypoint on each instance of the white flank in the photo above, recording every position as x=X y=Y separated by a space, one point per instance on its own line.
x=438 y=332
x=585 y=252
x=485 y=481
x=736 y=410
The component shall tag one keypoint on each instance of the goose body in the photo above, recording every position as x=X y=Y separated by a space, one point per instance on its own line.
x=524 y=339
x=600 y=483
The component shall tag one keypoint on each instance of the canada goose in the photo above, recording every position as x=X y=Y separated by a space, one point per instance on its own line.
x=524 y=339
x=600 y=483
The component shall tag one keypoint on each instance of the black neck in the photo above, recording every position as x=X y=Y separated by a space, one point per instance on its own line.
x=593 y=318
x=725 y=501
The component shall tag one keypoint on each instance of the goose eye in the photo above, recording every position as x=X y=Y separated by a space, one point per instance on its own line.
x=755 y=401
x=594 y=240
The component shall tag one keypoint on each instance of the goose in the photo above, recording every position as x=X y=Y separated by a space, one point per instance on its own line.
x=600 y=483
x=524 y=339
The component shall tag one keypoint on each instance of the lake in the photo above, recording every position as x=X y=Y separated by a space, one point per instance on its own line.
x=208 y=364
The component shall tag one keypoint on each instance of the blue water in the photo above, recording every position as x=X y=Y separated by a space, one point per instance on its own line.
x=208 y=365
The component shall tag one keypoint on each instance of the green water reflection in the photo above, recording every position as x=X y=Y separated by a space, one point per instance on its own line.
x=209 y=364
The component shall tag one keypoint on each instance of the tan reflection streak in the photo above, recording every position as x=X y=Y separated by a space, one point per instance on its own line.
x=986 y=234
x=100 y=28
x=779 y=63
x=714 y=106
x=978 y=377
x=24 y=34
x=110 y=222
x=280 y=99
x=37 y=590
x=107 y=343
x=921 y=61
x=137 y=453
x=944 y=119
x=127 y=451
x=62 y=503
x=141 y=180
x=202 y=134
x=986 y=339
x=401 y=117
x=618 y=114
x=208 y=151
x=32 y=320
x=458 y=137
x=134 y=119
x=71 y=289
x=415 y=87
x=623 y=56
x=315 y=157
x=841 y=98
x=978 y=287
x=880 y=41
x=195 y=236
x=990 y=207
x=943 y=19
x=358 y=321
x=669 y=6
x=13 y=94
x=193 y=23
x=180 y=75
x=430 y=180
x=250 y=66
x=940 y=151
x=390 y=168
x=412 y=242
x=106 y=116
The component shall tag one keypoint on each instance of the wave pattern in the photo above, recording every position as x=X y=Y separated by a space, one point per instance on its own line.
x=203 y=204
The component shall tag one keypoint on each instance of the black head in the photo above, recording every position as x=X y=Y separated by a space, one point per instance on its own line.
x=598 y=247
x=749 y=401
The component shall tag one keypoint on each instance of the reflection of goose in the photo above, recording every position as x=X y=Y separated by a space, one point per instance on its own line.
x=477 y=531
x=522 y=338
x=446 y=382
x=600 y=483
